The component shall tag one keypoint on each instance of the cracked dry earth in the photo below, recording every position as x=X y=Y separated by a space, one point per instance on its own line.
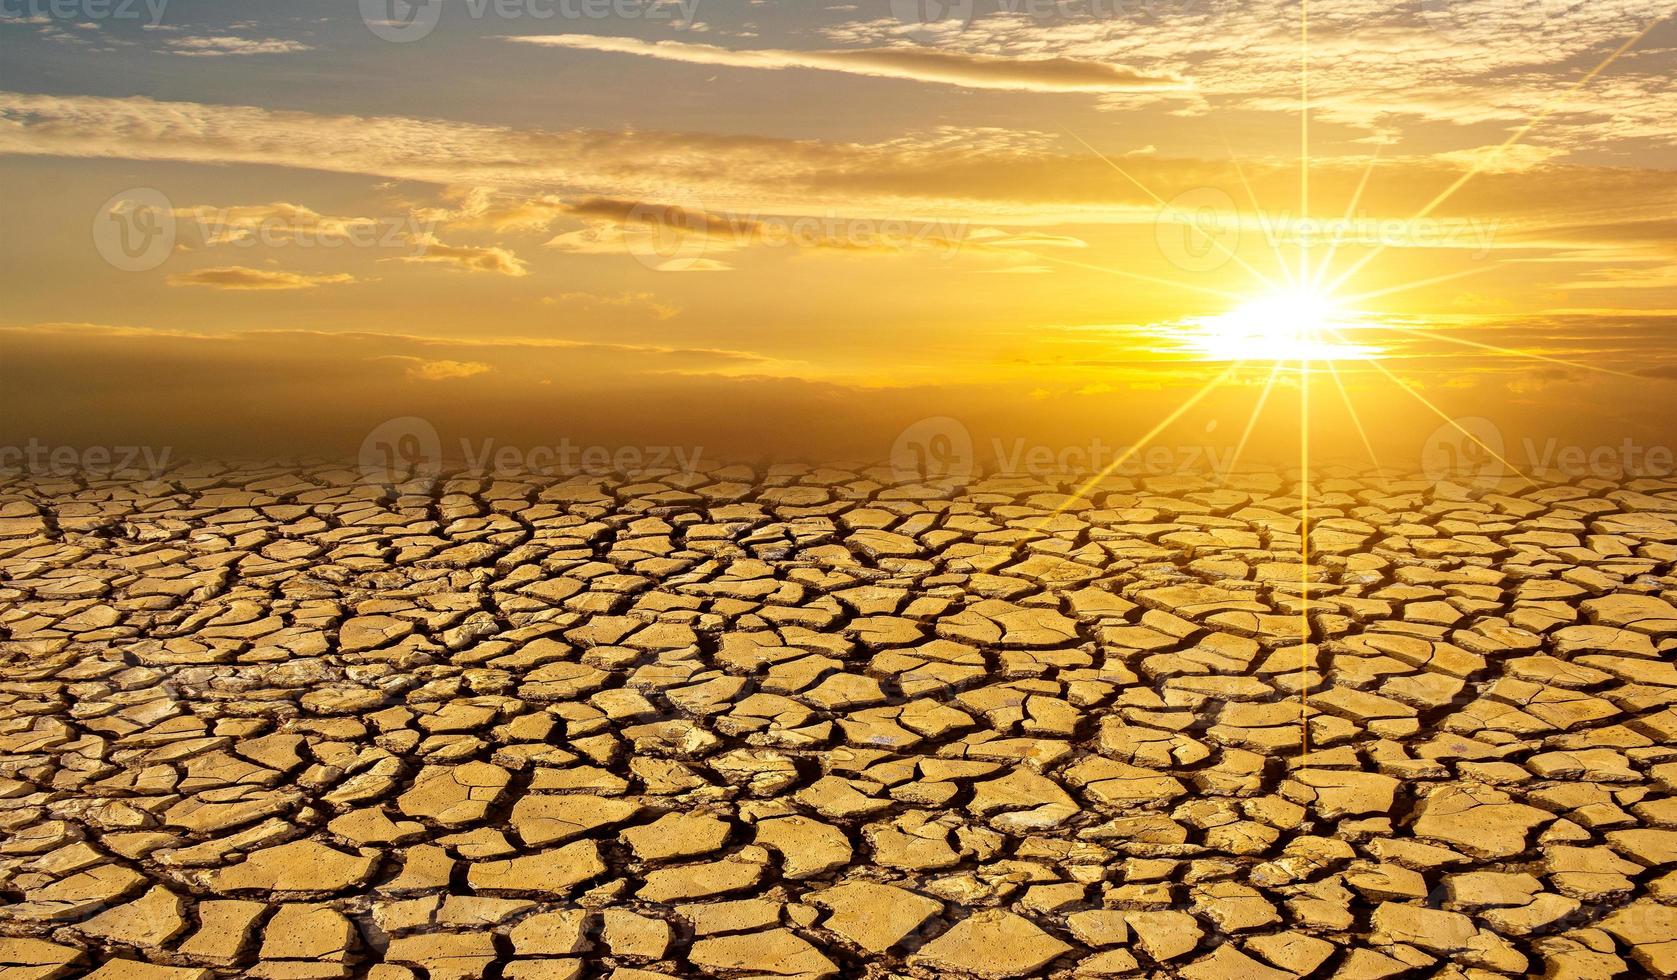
x=797 y=722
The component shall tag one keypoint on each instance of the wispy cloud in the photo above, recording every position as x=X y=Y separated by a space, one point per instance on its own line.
x=422 y=369
x=473 y=258
x=238 y=277
x=223 y=45
x=285 y=222
x=533 y=177
x=984 y=71
x=635 y=300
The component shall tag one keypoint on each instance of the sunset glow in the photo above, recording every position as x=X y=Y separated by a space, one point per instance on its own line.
x=826 y=213
x=1288 y=326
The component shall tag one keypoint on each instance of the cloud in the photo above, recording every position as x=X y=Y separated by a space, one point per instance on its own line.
x=677 y=238
x=658 y=234
x=238 y=277
x=482 y=347
x=284 y=223
x=624 y=212
x=693 y=264
x=601 y=176
x=473 y=258
x=1380 y=66
x=625 y=300
x=420 y=369
x=482 y=207
x=221 y=46
x=664 y=237
x=997 y=238
x=1502 y=157
x=982 y=71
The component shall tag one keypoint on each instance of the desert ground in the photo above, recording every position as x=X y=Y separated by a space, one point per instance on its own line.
x=804 y=721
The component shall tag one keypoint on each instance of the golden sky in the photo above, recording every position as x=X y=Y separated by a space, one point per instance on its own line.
x=797 y=228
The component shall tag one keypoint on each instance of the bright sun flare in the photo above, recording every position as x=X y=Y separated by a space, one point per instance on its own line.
x=1293 y=325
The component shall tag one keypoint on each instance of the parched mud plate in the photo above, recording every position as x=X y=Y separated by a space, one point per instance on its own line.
x=795 y=722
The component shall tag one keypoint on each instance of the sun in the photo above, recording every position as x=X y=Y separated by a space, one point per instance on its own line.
x=1287 y=325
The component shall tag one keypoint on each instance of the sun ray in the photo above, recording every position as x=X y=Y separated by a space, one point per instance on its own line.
x=1485 y=159
x=1141 y=443
x=1304 y=389
x=1252 y=422
x=1304 y=136
x=1537 y=120
x=1417 y=284
x=1454 y=424
x=1161 y=202
x=1252 y=196
x=1304 y=558
x=1350 y=213
x=1357 y=421
x=1156 y=280
x=1509 y=351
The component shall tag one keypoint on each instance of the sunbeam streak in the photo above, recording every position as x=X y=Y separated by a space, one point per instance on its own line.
x=1083 y=491
x=1162 y=203
x=1304 y=137
x=1405 y=287
x=1252 y=421
x=1313 y=316
x=1350 y=212
x=1304 y=559
x=1356 y=420
x=1141 y=277
x=1451 y=420
x=1252 y=198
x=1508 y=351
x=1520 y=134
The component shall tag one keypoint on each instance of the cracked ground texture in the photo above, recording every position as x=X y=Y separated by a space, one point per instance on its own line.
x=795 y=721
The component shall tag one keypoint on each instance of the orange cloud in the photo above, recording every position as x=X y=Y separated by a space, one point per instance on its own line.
x=421 y=369
x=474 y=258
x=983 y=71
x=240 y=277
